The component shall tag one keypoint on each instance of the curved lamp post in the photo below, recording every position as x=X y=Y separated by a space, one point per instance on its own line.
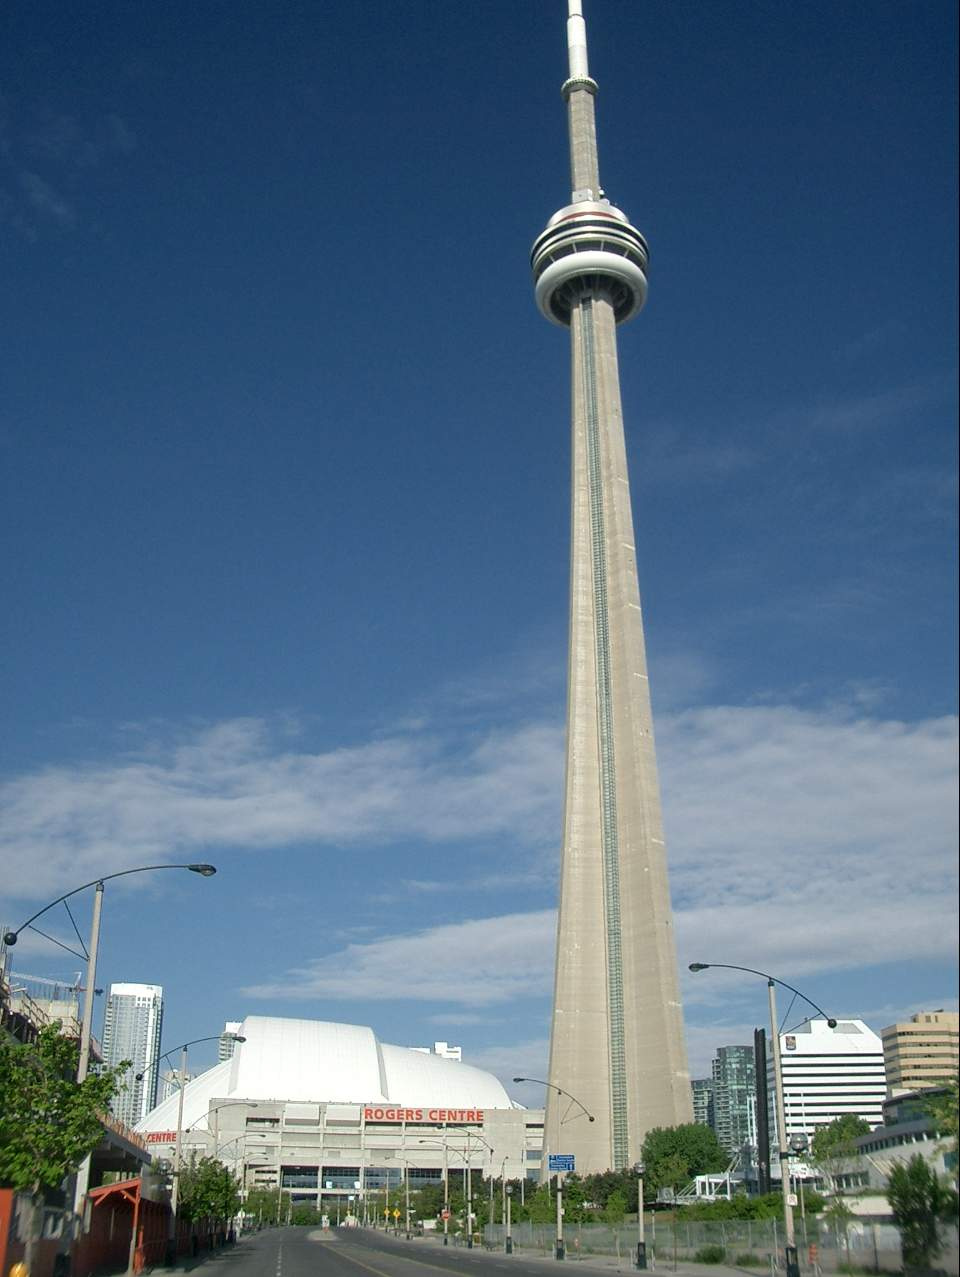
x=178 y=1145
x=83 y=1064
x=477 y=1136
x=446 y=1181
x=641 y=1240
x=10 y=938
x=215 y=1130
x=584 y=1112
x=790 y=1241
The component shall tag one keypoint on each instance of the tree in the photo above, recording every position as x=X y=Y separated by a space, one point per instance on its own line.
x=833 y=1150
x=540 y=1207
x=574 y=1199
x=600 y=1185
x=834 y=1146
x=208 y=1191
x=673 y=1155
x=921 y=1204
x=267 y=1205
x=942 y=1110
x=615 y=1208
x=49 y=1122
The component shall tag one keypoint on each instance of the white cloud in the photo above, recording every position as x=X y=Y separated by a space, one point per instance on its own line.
x=799 y=840
x=231 y=786
x=474 y=963
x=812 y=812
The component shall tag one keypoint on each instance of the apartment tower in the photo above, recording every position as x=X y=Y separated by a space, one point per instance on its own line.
x=617 y=1055
x=131 y=1031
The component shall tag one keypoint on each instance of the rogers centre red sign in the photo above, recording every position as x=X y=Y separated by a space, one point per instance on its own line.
x=161 y=1137
x=422 y=1115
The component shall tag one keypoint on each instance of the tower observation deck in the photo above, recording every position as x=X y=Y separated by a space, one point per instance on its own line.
x=616 y=1041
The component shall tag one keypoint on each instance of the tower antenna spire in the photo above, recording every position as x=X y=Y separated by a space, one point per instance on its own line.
x=577 y=41
x=579 y=90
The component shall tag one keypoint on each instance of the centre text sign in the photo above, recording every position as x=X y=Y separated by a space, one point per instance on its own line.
x=422 y=1115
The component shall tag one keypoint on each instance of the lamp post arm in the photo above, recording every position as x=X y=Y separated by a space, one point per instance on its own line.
x=771 y=979
x=206 y=870
x=162 y=1055
x=553 y=1087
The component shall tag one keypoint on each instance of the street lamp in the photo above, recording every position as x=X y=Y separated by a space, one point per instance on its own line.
x=10 y=938
x=83 y=1063
x=177 y=1148
x=508 y=1239
x=584 y=1112
x=215 y=1130
x=641 y=1243
x=446 y=1181
x=477 y=1136
x=790 y=1241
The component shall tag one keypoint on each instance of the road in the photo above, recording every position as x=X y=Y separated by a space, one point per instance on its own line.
x=308 y=1252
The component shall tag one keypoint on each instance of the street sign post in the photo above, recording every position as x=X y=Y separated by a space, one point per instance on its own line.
x=561 y=1163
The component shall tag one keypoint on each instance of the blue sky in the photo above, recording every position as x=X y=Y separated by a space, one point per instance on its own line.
x=285 y=498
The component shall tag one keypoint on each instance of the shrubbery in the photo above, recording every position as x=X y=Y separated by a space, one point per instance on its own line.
x=710 y=1255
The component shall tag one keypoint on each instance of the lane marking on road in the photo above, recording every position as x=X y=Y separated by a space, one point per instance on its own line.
x=407 y=1259
x=280 y=1260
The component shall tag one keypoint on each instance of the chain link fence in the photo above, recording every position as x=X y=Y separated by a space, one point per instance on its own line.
x=863 y=1248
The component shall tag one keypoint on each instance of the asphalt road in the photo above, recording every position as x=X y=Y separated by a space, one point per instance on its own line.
x=307 y=1252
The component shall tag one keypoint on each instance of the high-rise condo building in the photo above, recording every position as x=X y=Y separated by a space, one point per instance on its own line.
x=734 y=1097
x=227 y=1045
x=131 y=1031
x=701 y=1091
x=617 y=1050
x=922 y=1052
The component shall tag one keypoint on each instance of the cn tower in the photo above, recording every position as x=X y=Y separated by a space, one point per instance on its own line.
x=618 y=1064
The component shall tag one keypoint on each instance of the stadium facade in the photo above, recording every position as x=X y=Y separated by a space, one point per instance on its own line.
x=332 y=1114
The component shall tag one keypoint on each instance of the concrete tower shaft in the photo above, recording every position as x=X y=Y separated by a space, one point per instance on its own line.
x=617 y=1033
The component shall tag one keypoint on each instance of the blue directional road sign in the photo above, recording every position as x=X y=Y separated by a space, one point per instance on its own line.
x=560 y=1162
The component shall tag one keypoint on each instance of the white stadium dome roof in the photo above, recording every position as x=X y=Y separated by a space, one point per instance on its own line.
x=321 y=1062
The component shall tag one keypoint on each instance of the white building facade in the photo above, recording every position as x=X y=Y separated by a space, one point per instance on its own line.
x=827 y=1073
x=334 y=1116
x=132 y=1026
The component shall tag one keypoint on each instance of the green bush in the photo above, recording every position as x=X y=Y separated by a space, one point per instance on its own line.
x=749 y=1260
x=710 y=1255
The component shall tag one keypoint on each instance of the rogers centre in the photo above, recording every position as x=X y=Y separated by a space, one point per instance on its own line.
x=332 y=1114
x=416 y=1115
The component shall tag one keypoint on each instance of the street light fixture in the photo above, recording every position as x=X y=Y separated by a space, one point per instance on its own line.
x=83 y=1063
x=10 y=938
x=641 y=1242
x=177 y=1148
x=584 y=1112
x=790 y=1242
x=477 y=1136
x=215 y=1129
x=446 y=1182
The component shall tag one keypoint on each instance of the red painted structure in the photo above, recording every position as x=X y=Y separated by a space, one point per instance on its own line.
x=117 y=1211
x=14 y=1211
x=127 y=1231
